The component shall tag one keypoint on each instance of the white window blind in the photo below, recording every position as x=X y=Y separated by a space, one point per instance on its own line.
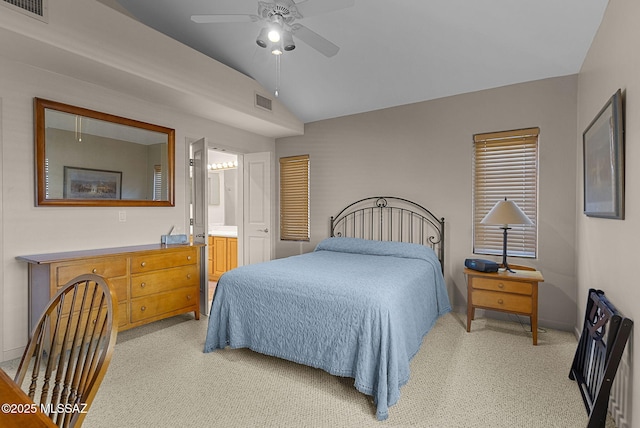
x=157 y=182
x=294 y=198
x=506 y=166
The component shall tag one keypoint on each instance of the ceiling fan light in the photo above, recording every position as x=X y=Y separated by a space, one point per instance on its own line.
x=261 y=40
x=287 y=41
x=274 y=35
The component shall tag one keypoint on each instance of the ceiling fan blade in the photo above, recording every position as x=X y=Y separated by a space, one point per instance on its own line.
x=314 y=40
x=316 y=7
x=220 y=19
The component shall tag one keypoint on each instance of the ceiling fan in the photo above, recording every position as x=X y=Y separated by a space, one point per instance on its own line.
x=281 y=18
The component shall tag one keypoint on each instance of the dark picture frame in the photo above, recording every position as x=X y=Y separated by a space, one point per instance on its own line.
x=603 y=162
x=87 y=183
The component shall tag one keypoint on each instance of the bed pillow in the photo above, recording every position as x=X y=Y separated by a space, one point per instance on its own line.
x=377 y=248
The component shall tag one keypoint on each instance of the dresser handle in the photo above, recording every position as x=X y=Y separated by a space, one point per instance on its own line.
x=188 y=257
x=143 y=308
x=94 y=270
x=500 y=301
x=188 y=296
x=500 y=285
x=143 y=264
x=188 y=276
x=142 y=284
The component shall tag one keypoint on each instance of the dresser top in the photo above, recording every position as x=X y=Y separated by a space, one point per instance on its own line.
x=72 y=255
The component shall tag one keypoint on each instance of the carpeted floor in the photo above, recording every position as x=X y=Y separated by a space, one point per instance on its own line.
x=491 y=377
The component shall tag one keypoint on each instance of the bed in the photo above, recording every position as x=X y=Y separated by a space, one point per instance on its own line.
x=357 y=306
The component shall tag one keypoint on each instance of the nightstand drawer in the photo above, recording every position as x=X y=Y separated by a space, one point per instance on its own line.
x=503 y=286
x=502 y=301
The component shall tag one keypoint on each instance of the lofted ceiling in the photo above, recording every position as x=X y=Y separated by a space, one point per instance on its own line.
x=391 y=52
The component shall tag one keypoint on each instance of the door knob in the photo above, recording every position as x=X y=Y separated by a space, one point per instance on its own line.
x=265 y=230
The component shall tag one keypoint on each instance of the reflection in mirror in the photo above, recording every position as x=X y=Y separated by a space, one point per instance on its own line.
x=88 y=158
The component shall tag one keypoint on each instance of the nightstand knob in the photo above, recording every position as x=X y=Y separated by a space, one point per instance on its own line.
x=500 y=285
x=500 y=301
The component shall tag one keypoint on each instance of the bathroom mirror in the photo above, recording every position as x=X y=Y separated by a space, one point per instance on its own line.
x=88 y=158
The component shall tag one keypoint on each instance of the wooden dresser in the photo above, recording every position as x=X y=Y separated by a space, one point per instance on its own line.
x=151 y=282
x=506 y=292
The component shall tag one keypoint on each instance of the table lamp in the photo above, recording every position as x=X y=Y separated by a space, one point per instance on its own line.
x=506 y=213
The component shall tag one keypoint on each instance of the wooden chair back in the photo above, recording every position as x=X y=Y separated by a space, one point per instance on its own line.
x=602 y=342
x=70 y=349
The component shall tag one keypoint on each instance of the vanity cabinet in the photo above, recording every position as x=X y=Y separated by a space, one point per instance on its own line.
x=151 y=282
x=223 y=255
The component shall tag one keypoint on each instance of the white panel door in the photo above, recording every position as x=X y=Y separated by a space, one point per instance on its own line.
x=257 y=207
x=199 y=192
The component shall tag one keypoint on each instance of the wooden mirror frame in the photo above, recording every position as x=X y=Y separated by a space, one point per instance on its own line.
x=40 y=105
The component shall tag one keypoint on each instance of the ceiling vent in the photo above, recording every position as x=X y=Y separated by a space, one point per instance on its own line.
x=38 y=9
x=263 y=102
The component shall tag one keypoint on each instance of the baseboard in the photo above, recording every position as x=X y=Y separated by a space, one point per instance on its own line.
x=12 y=354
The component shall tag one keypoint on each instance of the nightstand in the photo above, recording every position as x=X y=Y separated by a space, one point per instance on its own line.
x=504 y=291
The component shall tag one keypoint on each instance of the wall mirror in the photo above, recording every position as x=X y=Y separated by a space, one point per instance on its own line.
x=88 y=158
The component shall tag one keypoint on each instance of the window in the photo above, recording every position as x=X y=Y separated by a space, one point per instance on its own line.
x=506 y=165
x=294 y=198
x=157 y=182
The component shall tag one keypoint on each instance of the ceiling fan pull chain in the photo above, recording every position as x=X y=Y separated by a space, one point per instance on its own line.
x=277 y=74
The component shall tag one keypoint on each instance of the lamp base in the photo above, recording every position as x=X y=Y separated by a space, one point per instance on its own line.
x=505 y=268
x=505 y=265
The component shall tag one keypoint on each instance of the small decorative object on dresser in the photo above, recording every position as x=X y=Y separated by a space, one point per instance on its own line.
x=506 y=291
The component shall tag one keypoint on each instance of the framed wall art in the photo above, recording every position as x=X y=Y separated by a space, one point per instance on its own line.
x=86 y=183
x=603 y=157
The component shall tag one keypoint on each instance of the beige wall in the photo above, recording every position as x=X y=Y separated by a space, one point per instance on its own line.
x=423 y=152
x=26 y=229
x=607 y=250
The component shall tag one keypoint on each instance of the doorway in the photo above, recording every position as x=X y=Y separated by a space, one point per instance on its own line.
x=246 y=220
x=223 y=214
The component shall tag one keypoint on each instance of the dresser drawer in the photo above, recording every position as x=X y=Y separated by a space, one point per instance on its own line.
x=164 y=280
x=107 y=267
x=161 y=260
x=505 y=286
x=502 y=301
x=119 y=285
x=158 y=304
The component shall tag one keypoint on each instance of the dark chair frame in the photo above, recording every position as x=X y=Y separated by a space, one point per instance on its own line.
x=602 y=342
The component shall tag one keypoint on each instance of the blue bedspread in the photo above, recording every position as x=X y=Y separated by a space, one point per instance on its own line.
x=354 y=308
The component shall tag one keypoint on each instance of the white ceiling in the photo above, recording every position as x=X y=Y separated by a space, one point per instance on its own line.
x=391 y=52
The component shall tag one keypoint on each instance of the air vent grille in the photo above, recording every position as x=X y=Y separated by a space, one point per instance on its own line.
x=35 y=8
x=263 y=102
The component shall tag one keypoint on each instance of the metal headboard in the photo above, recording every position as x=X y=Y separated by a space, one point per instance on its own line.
x=388 y=218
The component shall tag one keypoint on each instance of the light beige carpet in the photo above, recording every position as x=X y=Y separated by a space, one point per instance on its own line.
x=491 y=377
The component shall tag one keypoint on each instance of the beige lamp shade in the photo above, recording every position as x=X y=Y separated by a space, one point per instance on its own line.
x=505 y=213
